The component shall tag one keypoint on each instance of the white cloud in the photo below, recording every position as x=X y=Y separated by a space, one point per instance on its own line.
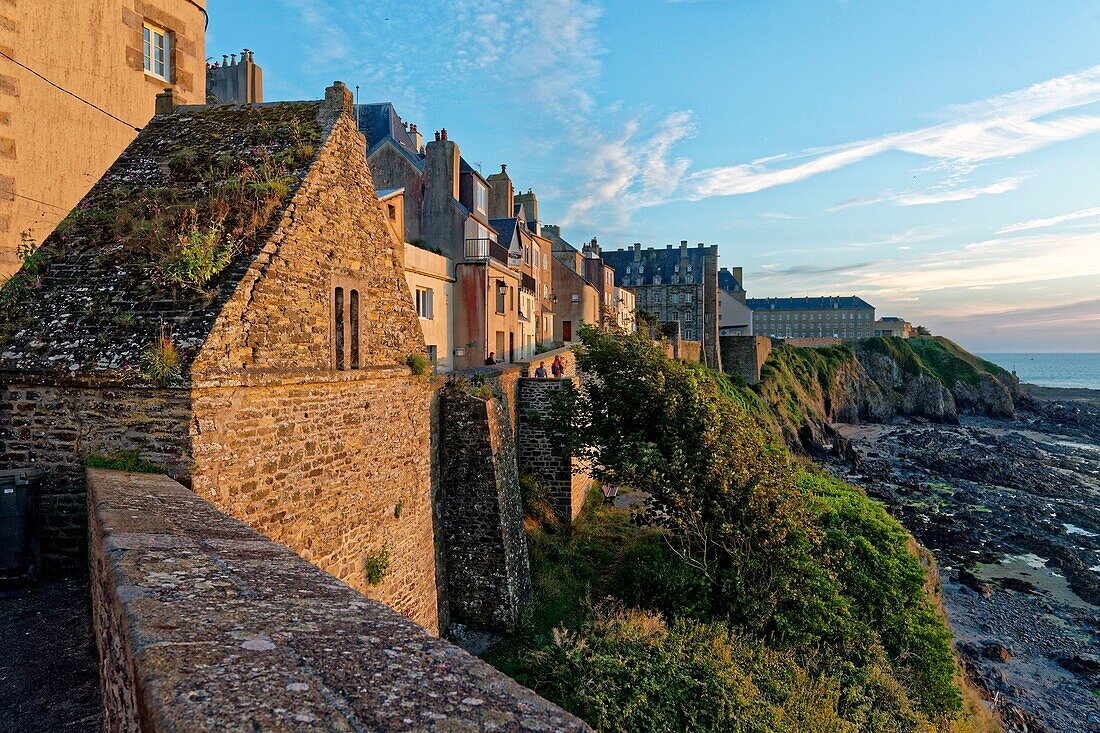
x=1000 y=127
x=1050 y=221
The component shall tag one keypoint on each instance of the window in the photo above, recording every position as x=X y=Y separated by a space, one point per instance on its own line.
x=345 y=308
x=353 y=318
x=576 y=298
x=433 y=353
x=338 y=315
x=424 y=303
x=481 y=197
x=157 y=44
x=392 y=212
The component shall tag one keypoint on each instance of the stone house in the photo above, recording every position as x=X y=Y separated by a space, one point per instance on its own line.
x=821 y=317
x=54 y=146
x=229 y=304
x=734 y=317
x=431 y=280
x=675 y=284
x=578 y=299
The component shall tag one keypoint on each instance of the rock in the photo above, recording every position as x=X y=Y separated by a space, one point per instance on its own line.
x=996 y=651
x=1082 y=665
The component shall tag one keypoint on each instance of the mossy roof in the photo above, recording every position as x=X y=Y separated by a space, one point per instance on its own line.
x=162 y=238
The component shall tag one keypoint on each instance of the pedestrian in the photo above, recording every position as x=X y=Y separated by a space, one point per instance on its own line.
x=540 y=373
x=558 y=368
x=490 y=360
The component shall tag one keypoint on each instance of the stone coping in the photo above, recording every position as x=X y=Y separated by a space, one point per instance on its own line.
x=203 y=624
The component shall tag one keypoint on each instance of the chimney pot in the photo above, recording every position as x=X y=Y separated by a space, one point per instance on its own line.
x=503 y=167
x=437 y=135
x=233 y=56
x=443 y=132
x=225 y=60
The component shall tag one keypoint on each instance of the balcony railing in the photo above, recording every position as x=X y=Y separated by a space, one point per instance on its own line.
x=528 y=283
x=478 y=249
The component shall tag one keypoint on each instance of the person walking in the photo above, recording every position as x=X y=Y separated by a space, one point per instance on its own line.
x=558 y=368
x=540 y=373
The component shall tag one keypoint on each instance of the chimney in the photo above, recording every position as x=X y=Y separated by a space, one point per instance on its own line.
x=225 y=60
x=233 y=59
x=164 y=104
x=441 y=164
x=417 y=138
x=737 y=276
x=339 y=99
x=668 y=246
x=637 y=251
x=531 y=208
x=501 y=195
x=683 y=247
x=443 y=132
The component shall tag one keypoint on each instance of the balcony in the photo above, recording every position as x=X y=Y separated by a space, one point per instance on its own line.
x=528 y=283
x=478 y=249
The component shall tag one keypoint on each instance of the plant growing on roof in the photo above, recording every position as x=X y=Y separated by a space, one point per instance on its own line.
x=201 y=252
x=162 y=363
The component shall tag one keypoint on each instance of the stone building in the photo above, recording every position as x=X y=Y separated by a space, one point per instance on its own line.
x=836 y=317
x=734 y=317
x=249 y=339
x=235 y=82
x=577 y=300
x=675 y=284
x=53 y=145
x=894 y=326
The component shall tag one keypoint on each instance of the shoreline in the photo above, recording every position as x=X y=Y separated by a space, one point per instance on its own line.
x=1062 y=394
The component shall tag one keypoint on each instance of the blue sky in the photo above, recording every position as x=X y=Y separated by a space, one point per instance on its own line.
x=941 y=159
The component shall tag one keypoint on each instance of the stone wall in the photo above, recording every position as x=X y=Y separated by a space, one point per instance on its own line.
x=204 y=624
x=339 y=471
x=52 y=429
x=488 y=576
x=568 y=357
x=744 y=355
x=541 y=451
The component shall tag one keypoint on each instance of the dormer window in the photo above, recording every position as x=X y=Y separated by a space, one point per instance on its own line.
x=481 y=197
x=157 y=46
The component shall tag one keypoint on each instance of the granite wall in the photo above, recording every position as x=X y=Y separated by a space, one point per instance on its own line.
x=204 y=624
x=744 y=355
x=541 y=451
x=488 y=576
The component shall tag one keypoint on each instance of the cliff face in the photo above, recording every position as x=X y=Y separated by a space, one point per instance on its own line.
x=879 y=379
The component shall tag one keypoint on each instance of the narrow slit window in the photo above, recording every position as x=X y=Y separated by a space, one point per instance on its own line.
x=353 y=316
x=338 y=322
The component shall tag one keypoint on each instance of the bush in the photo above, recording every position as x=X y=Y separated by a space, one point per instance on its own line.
x=201 y=252
x=161 y=363
x=419 y=364
x=127 y=460
x=376 y=565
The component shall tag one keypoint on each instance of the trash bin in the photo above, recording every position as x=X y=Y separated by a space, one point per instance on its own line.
x=19 y=550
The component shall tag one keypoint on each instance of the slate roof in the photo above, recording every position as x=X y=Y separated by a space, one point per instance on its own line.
x=824 y=302
x=726 y=281
x=107 y=284
x=379 y=121
x=505 y=229
x=653 y=262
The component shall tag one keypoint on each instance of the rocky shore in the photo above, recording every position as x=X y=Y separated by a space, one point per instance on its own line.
x=1010 y=509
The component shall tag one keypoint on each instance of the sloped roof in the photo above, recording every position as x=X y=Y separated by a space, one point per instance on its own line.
x=654 y=262
x=824 y=302
x=203 y=187
x=505 y=229
x=726 y=281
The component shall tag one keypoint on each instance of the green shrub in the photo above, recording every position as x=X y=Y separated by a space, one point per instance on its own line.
x=200 y=254
x=376 y=565
x=127 y=460
x=162 y=363
x=536 y=498
x=419 y=364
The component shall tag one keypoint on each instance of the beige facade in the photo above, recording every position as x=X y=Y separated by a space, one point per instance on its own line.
x=53 y=146
x=431 y=279
x=837 y=317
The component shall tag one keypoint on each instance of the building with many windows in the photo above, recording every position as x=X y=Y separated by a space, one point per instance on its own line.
x=676 y=285
x=81 y=79
x=843 y=317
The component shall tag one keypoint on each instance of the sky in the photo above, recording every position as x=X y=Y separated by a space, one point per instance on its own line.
x=940 y=159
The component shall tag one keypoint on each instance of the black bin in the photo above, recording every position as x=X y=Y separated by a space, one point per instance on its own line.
x=19 y=553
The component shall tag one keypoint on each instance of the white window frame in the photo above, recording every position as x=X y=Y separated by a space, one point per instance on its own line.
x=481 y=197
x=424 y=298
x=150 y=33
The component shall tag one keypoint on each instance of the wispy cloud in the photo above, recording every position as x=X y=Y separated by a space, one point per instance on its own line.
x=1050 y=221
x=938 y=195
x=1000 y=127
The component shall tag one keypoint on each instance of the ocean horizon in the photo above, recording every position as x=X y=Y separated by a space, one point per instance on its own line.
x=1069 y=370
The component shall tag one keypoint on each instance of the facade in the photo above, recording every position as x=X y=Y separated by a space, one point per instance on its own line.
x=431 y=280
x=235 y=82
x=837 y=317
x=894 y=326
x=577 y=299
x=734 y=317
x=54 y=146
x=675 y=284
x=291 y=408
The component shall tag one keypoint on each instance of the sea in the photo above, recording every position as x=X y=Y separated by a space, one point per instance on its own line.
x=1052 y=370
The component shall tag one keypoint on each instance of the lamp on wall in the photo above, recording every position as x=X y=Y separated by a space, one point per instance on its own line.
x=501 y=287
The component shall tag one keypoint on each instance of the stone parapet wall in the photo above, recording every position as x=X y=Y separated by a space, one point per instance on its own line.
x=338 y=471
x=204 y=624
x=541 y=451
x=568 y=358
x=53 y=429
x=488 y=576
x=744 y=355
